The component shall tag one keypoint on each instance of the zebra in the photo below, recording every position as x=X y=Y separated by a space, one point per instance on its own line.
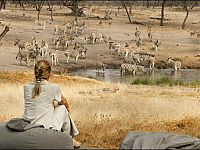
x=77 y=45
x=115 y=46
x=150 y=59
x=79 y=52
x=136 y=58
x=54 y=58
x=133 y=68
x=44 y=49
x=126 y=68
x=100 y=66
x=63 y=41
x=151 y=63
x=137 y=33
x=21 y=45
x=157 y=43
x=150 y=36
x=138 y=43
x=38 y=23
x=176 y=65
x=97 y=36
x=27 y=56
x=68 y=53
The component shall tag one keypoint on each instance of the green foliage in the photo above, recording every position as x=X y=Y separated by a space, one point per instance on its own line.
x=91 y=77
x=145 y=80
x=164 y=80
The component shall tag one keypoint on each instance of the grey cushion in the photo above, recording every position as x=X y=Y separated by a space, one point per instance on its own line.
x=159 y=140
x=20 y=134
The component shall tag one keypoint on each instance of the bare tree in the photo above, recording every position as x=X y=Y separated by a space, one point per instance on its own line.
x=187 y=13
x=38 y=6
x=50 y=7
x=162 y=13
x=77 y=11
x=2 y=4
x=124 y=5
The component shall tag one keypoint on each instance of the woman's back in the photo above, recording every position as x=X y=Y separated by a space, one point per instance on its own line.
x=39 y=110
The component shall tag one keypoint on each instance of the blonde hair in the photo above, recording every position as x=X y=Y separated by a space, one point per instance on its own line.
x=42 y=70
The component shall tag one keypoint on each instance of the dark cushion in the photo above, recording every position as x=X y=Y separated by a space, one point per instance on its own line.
x=20 y=134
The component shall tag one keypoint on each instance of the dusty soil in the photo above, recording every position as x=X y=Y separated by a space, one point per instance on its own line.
x=175 y=42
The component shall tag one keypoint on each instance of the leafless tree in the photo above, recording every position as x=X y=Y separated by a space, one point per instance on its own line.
x=162 y=13
x=3 y=4
x=124 y=5
x=187 y=13
x=50 y=4
x=38 y=6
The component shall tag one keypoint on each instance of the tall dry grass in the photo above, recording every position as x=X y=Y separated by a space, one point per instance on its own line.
x=105 y=112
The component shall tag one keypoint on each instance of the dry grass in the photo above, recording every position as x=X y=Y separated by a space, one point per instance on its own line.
x=105 y=112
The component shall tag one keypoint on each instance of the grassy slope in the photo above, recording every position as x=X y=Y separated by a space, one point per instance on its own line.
x=105 y=112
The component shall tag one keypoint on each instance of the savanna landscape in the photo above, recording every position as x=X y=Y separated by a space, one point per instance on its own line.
x=104 y=112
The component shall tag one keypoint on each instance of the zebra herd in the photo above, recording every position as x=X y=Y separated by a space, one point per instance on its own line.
x=65 y=36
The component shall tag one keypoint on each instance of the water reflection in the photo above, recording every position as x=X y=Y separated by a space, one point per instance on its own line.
x=114 y=76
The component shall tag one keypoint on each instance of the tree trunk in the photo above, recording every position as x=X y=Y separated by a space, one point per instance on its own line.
x=126 y=11
x=2 y=4
x=187 y=13
x=130 y=9
x=4 y=32
x=154 y=4
x=51 y=14
x=162 y=13
x=38 y=16
x=76 y=7
x=147 y=3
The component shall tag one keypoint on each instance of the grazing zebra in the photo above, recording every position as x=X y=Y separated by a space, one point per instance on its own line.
x=54 y=58
x=138 y=43
x=97 y=36
x=100 y=66
x=115 y=46
x=157 y=43
x=80 y=52
x=136 y=58
x=38 y=23
x=150 y=59
x=176 y=65
x=27 y=56
x=77 y=45
x=21 y=45
x=63 y=41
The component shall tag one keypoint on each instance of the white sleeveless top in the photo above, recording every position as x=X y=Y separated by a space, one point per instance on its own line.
x=40 y=109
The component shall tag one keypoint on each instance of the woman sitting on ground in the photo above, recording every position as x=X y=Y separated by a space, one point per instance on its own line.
x=45 y=105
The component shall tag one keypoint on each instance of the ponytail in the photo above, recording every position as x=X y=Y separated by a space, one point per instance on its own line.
x=36 y=90
x=42 y=71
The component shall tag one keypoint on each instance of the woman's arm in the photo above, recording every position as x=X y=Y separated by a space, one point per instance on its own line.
x=64 y=102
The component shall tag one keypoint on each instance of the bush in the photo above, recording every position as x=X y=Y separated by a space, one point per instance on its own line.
x=164 y=80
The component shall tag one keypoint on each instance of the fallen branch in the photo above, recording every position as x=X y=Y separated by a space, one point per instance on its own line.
x=4 y=32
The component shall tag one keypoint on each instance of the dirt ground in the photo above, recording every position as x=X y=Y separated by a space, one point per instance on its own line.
x=175 y=42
